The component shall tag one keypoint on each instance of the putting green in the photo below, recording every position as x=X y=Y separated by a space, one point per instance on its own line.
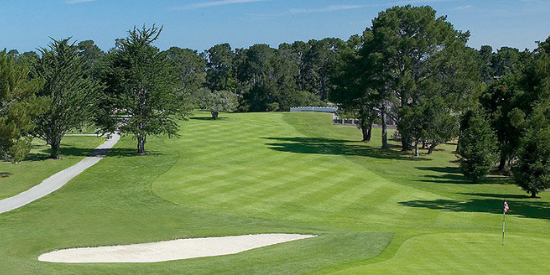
x=455 y=253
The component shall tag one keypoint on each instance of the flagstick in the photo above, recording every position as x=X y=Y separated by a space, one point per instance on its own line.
x=503 y=224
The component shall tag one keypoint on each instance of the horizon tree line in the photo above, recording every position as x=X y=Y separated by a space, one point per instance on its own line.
x=408 y=66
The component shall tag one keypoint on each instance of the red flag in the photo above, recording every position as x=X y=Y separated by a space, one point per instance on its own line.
x=506 y=206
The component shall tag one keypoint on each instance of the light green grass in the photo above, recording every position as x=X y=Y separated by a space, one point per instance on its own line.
x=376 y=212
x=457 y=253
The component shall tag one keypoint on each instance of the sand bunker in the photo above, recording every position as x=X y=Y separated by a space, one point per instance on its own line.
x=168 y=250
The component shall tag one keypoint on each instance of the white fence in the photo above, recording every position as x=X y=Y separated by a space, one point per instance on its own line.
x=344 y=121
x=314 y=109
x=333 y=110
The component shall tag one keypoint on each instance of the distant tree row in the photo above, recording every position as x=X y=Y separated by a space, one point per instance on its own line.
x=136 y=88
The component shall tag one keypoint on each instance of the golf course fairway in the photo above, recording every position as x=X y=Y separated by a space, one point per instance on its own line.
x=373 y=211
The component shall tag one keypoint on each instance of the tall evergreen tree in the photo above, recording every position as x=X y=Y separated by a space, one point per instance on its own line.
x=18 y=107
x=71 y=94
x=220 y=67
x=189 y=67
x=408 y=54
x=143 y=89
x=531 y=172
x=502 y=102
x=320 y=61
x=477 y=145
x=353 y=98
x=92 y=54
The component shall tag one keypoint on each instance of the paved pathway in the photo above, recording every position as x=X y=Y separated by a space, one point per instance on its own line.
x=56 y=181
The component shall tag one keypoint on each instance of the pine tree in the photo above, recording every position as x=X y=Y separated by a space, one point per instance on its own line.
x=477 y=146
x=143 y=89
x=18 y=106
x=71 y=94
x=531 y=172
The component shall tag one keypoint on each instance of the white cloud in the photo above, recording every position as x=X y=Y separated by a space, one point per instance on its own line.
x=303 y=11
x=77 y=1
x=421 y=2
x=214 y=4
x=464 y=7
x=326 y=9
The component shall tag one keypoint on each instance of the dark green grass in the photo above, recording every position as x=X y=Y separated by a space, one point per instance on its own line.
x=375 y=211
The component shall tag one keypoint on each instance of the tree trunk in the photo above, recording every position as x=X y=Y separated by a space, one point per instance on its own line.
x=406 y=142
x=214 y=114
x=432 y=148
x=56 y=147
x=502 y=163
x=367 y=132
x=416 y=148
x=141 y=143
x=385 y=144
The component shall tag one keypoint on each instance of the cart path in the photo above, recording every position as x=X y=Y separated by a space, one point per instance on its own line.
x=59 y=179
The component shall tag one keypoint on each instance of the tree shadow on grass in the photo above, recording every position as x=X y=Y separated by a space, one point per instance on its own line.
x=446 y=175
x=307 y=145
x=498 y=180
x=128 y=152
x=519 y=207
x=453 y=175
x=5 y=174
x=447 y=170
x=502 y=196
x=65 y=151
x=208 y=118
x=82 y=152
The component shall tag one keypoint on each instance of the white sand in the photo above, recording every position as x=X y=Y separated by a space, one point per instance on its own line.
x=168 y=250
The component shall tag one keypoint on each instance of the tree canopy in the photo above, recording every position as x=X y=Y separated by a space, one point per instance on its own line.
x=19 y=106
x=143 y=93
x=218 y=101
x=407 y=57
x=70 y=93
x=477 y=145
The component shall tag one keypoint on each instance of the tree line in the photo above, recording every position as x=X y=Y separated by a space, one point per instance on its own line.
x=416 y=69
x=140 y=90
x=409 y=67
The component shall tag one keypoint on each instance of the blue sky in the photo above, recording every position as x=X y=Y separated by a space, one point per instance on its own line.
x=199 y=24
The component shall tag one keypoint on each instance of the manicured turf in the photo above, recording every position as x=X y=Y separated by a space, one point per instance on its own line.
x=376 y=212
x=457 y=253
x=37 y=167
